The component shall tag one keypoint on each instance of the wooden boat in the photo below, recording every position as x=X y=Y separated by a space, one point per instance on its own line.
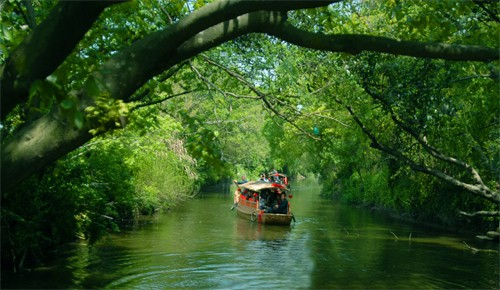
x=247 y=205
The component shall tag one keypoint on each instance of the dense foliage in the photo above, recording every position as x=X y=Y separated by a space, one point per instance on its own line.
x=97 y=189
x=405 y=104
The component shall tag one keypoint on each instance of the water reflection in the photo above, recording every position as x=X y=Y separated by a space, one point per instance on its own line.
x=247 y=230
x=204 y=245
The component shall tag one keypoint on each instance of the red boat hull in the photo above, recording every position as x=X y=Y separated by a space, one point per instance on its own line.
x=249 y=209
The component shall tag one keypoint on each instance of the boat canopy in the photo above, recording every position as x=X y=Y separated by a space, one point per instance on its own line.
x=260 y=185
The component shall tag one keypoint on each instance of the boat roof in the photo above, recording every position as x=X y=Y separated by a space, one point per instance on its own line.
x=260 y=185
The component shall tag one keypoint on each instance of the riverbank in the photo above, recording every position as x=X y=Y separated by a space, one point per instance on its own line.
x=432 y=222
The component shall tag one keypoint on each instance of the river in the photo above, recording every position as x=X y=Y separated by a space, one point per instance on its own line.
x=203 y=245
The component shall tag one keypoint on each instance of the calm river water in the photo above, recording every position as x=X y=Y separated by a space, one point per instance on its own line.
x=204 y=245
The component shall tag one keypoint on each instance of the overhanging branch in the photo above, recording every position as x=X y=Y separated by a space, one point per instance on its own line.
x=354 y=44
x=434 y=152
x=482 y=213
x=159 y=100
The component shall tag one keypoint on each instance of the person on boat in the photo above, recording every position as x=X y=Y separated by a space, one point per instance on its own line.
x=247 y=194
x=282 y=206
x=263 y=194
x=271 y=198
x=263 y=177
x=243 y=180
x=262 y=199
x=275 y=177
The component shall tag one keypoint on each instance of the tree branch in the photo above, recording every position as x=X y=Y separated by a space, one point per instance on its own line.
x=31 y=13
x=169 y=73
x=434 y=152
x=261 y=95
x=159 y=101
x=29 y=17
x=315 y=114
x=207 y=82
x=481 y=213
x=37 y=144
x=355 y=44
x=179 y=42
x=204 y=28
x=46 y=48
x=477 y=190
x=119 y=78
x=492 y=14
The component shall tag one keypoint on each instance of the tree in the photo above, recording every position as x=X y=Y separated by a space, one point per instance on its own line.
x=421 y=107
x=84 y=104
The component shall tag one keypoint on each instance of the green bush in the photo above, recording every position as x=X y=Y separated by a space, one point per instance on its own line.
x=91 y=193
x=83 y=195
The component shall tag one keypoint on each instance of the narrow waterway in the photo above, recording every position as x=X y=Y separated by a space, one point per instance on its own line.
x=204 y=245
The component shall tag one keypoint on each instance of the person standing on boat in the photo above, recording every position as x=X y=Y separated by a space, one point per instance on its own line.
x=243 y=180
x=263 y=177
x=237 y=193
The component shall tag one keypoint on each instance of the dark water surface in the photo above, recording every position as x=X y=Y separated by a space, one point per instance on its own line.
x=204 y=245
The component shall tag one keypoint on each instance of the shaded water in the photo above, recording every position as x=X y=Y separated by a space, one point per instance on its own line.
x=204 y=245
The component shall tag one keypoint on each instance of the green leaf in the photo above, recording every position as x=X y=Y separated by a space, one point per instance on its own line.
x=67 y=104
x=79 y=120
x=167 y=88
x=92 y=87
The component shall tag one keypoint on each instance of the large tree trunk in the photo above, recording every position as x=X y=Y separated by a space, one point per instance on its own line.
x=38 y=144
x=46 y=48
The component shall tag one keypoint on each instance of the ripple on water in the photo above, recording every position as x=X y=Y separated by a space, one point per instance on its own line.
x=253 y=267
